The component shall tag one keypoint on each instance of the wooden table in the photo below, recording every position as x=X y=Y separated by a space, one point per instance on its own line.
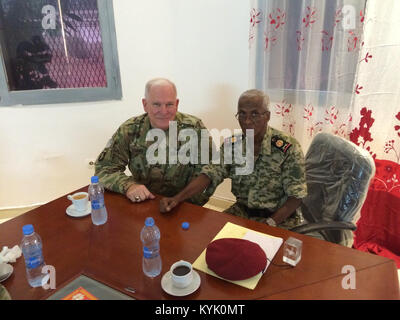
x=112 y=254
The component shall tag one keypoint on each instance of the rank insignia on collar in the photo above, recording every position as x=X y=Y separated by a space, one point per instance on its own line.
x=281 y=144
x=232 y=139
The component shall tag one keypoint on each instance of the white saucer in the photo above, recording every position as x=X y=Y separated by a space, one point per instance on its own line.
x=78 y=214
x=6 y=271
x=168 y=287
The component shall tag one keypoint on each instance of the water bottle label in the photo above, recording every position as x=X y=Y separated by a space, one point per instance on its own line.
x=34 y=261
x=147 y=253
x=150 y=253
x=97 y=204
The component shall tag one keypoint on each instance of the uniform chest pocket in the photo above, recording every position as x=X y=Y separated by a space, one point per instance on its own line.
x=268 y=187
x=179 y=174
x=243 y=184
x=269 y=174
x=138 y=164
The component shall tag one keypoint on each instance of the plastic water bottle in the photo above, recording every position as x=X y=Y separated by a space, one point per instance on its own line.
x=150 y=236
x=96 y=196
x=31 y=247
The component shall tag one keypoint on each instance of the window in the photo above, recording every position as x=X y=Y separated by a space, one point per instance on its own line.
x=305 y=46
x=57 y=51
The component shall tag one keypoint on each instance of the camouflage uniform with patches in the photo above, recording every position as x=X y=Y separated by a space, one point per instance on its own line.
x=128 y=147
x=279 y=172
x=4 y=295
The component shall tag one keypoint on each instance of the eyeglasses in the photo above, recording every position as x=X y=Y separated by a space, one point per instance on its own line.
x=254 y=116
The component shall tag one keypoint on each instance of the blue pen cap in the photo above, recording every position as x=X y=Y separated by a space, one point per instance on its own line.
x=27 y=229
x=94 y=179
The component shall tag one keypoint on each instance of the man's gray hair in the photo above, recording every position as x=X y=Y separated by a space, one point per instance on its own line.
x=255 y=94
x=158 y=81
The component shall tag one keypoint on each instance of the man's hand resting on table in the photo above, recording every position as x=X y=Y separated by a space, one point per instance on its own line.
x=138 y=193
x=197 y=185
x=167 y=204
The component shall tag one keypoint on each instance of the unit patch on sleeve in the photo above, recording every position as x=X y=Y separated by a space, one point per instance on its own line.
x=281 y=144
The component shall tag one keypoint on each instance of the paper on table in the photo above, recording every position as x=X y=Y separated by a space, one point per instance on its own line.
x=269 y=244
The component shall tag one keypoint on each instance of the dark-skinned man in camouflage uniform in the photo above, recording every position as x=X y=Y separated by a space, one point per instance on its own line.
x=128 y=147
x=274 y=189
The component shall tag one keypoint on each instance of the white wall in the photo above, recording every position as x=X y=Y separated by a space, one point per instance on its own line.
x=200 y=45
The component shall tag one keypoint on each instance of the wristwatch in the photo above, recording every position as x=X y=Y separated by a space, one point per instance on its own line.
x=271 y=222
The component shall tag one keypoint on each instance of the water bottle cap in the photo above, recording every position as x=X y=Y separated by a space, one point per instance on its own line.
x=27 y=229
x=185 y=225
x=94 y=179
x=149 y=222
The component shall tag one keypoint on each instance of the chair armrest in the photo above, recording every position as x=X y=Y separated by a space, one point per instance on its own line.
x=321 y=226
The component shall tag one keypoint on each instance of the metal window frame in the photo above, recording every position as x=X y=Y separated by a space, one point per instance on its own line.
x=113 y=91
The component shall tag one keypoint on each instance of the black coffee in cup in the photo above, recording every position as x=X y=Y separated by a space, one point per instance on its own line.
x=181 y=270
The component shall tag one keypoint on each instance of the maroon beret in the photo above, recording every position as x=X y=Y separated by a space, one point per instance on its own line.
x=235 y=259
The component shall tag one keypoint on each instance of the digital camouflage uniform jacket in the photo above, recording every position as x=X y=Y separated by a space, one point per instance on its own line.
x=128 y=147
x=279 y=172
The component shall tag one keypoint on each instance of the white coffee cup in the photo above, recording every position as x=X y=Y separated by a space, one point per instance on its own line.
x=79 y=200
x=181 y=274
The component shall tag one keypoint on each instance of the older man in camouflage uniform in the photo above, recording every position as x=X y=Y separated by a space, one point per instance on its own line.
x=128 y=147
x=273 y=191
x=4 y=295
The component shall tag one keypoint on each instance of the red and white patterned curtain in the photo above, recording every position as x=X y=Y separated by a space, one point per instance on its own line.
x=330 y=66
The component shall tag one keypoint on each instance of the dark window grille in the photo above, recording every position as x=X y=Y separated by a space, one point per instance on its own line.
x=38 y=55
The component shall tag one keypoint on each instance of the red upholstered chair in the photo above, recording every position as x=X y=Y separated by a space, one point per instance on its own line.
x=378 y=229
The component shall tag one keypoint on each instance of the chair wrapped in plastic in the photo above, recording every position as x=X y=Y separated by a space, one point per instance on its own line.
x=338 y=174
